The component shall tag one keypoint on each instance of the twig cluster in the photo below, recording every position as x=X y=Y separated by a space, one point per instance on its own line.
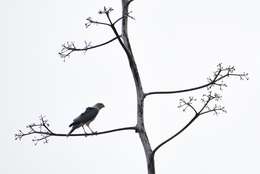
x=221 y=73
x=210 y=103
x=69 y=47
x=41 y=128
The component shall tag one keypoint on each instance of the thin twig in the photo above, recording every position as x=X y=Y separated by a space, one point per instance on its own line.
x=95 y=22
x=69 y=48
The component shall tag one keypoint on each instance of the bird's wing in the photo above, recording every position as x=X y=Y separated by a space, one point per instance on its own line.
x=86 y=116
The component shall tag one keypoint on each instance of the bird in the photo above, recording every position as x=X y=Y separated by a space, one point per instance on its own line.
x=86 y=118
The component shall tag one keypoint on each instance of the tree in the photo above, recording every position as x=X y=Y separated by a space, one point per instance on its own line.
x=209 y=102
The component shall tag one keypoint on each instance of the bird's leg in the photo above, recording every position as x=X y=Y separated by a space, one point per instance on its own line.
x=84 y=131
x=91 y=129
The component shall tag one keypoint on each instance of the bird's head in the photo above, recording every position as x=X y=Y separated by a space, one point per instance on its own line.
x=99 y=105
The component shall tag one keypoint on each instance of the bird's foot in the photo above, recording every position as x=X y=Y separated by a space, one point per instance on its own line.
x=94 y=132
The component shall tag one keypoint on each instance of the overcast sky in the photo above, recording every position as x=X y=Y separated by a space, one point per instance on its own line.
x=177 y=45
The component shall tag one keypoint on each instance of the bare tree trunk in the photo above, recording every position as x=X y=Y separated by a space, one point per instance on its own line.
x=139 y=91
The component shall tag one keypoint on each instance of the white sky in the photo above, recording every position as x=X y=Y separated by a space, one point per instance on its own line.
x=177 y=45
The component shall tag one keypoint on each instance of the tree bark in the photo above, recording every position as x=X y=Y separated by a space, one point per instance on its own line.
x=139 y=91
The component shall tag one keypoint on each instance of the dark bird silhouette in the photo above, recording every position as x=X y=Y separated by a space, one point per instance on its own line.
x=86 y=118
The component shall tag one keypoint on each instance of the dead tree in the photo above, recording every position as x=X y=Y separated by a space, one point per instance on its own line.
x=208 y=103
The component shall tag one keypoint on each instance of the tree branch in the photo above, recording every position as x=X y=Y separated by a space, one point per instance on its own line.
x=70 y=47
x=206 y=99
x=176 y=134
x=42 y=129
x=90 y=21
x=128 y=3
x=116 y=33
x=218 y=76
x=185 y=104
x=121 y=18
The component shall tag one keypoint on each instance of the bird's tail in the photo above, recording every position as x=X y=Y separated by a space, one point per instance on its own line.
x=72 y=129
